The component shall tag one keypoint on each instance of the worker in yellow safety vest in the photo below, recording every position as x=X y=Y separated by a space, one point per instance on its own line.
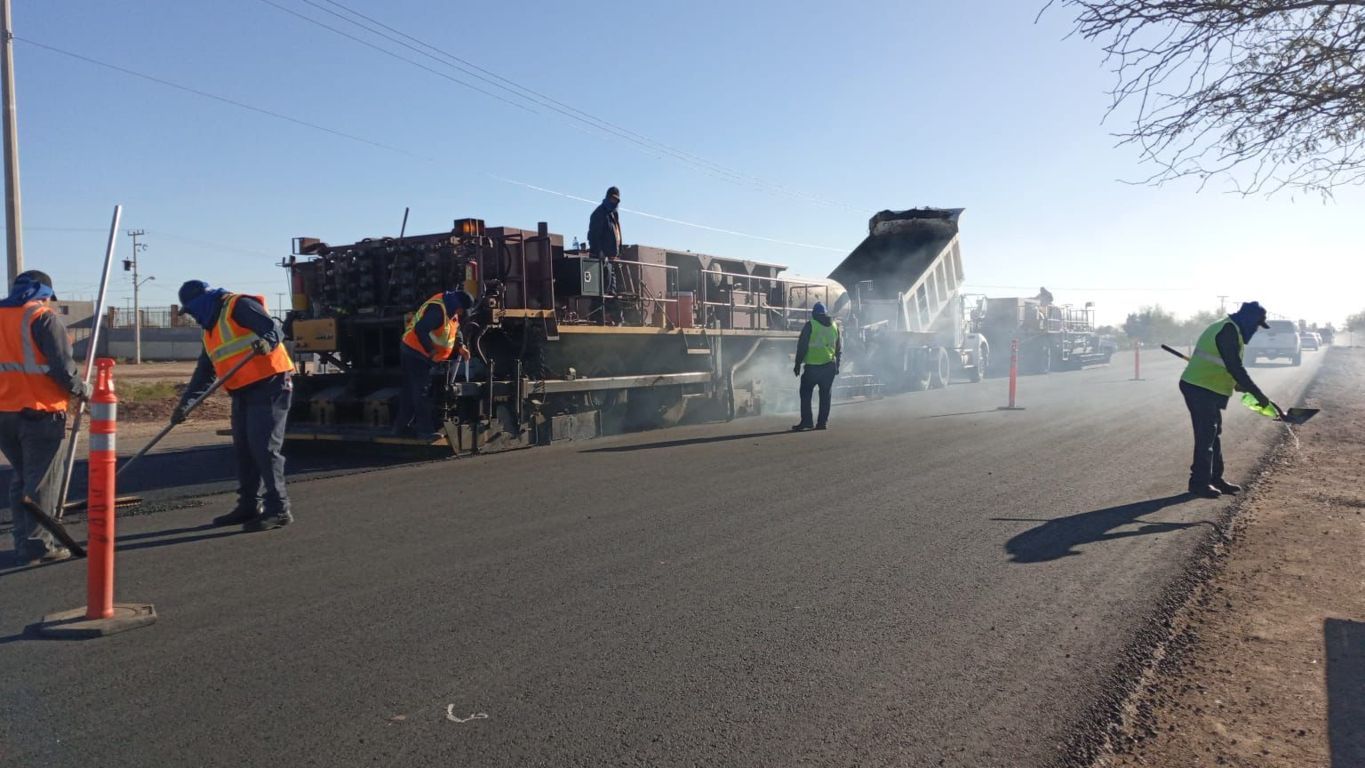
x=819 y=349
x=38 y=378
x=432 y=336
x=238 y=327
x=1213 y=373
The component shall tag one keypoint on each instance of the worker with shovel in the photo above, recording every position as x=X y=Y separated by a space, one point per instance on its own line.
x=242 y=347
x=431 y=337
x=1214 y=371
x=38 y=378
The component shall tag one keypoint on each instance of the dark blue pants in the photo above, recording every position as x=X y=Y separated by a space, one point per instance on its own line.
x=414 y=402
x=259 y=414
x=813 y=376
x=32 y=446
x=1206 y=417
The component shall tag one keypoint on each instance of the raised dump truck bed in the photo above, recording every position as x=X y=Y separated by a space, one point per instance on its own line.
x=904 y=284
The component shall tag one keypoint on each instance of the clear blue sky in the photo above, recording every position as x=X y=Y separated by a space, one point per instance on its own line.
x=864 y=105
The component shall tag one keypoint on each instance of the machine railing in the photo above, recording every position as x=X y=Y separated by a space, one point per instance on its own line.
x=753 y=301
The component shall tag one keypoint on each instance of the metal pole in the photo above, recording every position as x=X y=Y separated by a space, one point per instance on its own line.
x=137 y=286
x=14 y=239
x=91 y=350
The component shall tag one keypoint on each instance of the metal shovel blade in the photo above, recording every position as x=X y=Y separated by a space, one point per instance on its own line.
x=1299 y=415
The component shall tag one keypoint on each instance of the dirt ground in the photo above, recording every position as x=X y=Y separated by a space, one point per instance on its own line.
x=1266 y=664
x=141 y=400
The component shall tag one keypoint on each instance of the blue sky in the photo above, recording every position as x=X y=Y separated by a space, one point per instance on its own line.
x=829 y=111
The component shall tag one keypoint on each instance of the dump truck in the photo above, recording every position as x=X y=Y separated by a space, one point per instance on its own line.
x=908 y=321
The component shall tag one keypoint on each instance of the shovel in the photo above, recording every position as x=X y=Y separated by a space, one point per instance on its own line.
x=166 y=430
x=1295 y=416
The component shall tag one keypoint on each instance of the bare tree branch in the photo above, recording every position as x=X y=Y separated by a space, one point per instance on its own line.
x=1268 y=93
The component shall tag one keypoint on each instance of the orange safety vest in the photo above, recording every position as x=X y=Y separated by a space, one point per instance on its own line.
x=24 y=381
x=227 y=341
x=442 y=338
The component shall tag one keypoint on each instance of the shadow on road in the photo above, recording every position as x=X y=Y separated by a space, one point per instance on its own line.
x=962 y=413
x=1344 y=642
x=1059 y=537
x=681 y=443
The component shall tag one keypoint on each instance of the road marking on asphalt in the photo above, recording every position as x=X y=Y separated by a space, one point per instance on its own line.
x=450 y=715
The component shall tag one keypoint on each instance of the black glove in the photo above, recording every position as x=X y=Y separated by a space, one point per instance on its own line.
x=797 y=370
x=1262 y=400
x=179 y=415
x=836 y=367
x=260 y=347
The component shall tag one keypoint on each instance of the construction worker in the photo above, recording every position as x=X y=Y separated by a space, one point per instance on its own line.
x=237 y=327
x=1214 y=371
x=820 y=350
x=38 y=378
x=604 y=237
x=432 y=337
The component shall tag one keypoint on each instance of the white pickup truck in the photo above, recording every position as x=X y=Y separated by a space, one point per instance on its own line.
x=1280 y=340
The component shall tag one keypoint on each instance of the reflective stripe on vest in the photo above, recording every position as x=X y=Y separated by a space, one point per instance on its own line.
x=442 y=338
x=228 y=341
x=823 y=339
x=1206 y=368
x=25 y=382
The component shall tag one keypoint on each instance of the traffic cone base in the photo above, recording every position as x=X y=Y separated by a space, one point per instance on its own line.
x=73 y=625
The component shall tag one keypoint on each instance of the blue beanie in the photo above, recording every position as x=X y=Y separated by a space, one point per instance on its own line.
x=818 y=309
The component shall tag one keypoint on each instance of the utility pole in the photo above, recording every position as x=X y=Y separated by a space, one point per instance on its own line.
x=130 y=265
x=1222 y=305
x=14 y=237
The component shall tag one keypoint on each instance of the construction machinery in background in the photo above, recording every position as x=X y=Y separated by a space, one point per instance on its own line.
x=1051 y=337
x=685 y=336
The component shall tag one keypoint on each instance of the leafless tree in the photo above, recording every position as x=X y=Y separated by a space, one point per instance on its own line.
x=1269 y=94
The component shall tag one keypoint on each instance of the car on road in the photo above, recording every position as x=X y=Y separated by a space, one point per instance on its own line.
x=1279 y=341
x=1309 y=340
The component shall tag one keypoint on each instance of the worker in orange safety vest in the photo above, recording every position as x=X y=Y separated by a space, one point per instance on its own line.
x=38 y=379
x=238 y=326
x=432 y=336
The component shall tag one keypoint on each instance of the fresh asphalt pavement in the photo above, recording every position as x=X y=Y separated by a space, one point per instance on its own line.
x=930 y=582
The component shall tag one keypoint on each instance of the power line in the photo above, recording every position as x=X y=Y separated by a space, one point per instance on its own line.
x=215 y=97
x=517 y=90
x=669 y=220
x=270 y=113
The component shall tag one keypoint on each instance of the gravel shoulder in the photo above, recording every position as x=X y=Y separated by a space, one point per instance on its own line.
x=1265 y=665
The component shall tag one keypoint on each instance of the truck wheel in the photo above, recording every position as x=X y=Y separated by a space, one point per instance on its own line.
x=982 y=364
x=1045 y=359
x=916 y=371
x=941 y=370
x=1298 y=358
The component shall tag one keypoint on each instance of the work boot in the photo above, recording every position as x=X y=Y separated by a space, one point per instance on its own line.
x=268 y=521
x=1226 y=488
x=235 y=517
x=801 y=427
x=821 y=426
x=55 y=555
x=1204 y=491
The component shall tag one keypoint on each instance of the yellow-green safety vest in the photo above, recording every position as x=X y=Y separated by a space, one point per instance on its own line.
x=823 y=340
x=1206 y=368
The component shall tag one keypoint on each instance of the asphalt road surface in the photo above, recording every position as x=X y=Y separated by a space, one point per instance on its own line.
x=931 y=582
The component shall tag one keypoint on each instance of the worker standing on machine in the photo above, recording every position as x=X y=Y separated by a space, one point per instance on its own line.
x=236 y=325
x=1214 y=371
x=432 y=337
x=604 y=237
x=37 y=380
x=820 y=349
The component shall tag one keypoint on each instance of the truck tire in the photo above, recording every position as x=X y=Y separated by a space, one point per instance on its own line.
x=1044 y=359
x=916 y=370
x=982 y=364
x=1298 y=358
x=940 y=370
